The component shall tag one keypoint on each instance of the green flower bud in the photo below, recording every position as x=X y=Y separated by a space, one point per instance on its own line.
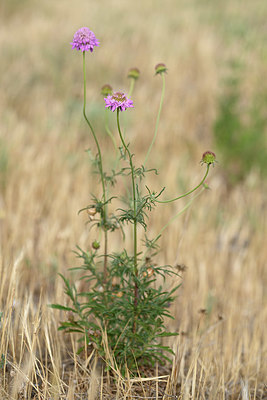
x=160 y=68
x=208 y=158
x=106 y=90
x=95 y=245
x=134 y=73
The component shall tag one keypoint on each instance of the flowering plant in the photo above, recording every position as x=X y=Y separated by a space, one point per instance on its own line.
x=121 y=312
x=118 y=101
x=84 y=40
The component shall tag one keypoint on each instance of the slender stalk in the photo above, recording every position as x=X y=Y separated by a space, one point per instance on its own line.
x=110 y=134
x=180 y=212
x=177 y=215
x=187 y=193
x=135 y=220
x=100 y=167
x=158 y=118
x=131 y=87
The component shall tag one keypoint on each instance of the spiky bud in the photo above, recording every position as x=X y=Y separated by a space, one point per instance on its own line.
x=134 y=73
x=208 y=158
x=106 y=90
x=160 y=68
x=95 y=245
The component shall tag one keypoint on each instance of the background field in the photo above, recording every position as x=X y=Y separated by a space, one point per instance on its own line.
x=45 y=179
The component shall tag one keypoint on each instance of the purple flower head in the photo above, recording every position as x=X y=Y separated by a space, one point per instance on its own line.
x=118 y=101
x=84 y=40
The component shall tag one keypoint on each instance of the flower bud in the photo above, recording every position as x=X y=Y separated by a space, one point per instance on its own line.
x=134 y=73
x=149 y=272
x=91 y=211
x=95 y=245
x=106 y=90
x=160 y=68
x=208 y=158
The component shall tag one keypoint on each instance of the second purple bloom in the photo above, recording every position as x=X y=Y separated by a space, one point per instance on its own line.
x=118 y=100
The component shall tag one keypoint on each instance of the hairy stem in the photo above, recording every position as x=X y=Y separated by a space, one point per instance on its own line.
x=174 y=217
x=187 y=193
x=110 y=134
x=135 y=220
x=100 y=167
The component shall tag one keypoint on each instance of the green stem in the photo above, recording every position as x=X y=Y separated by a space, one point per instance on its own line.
x=158 y=118
x=187 y=193
x=100 y=167
x=135 y=220
x=131 y=87
x=177 y=214
x=110 y=134
x=173 y=218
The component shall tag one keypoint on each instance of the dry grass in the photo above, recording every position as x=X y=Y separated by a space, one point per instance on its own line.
x=221 y=308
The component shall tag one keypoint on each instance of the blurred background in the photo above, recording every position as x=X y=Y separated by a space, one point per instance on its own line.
x=216 y=98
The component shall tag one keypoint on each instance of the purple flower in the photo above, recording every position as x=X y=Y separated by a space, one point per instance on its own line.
x=118 y=101
x=84 y=40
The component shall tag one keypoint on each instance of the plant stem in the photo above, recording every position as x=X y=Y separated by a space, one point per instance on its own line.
x=177 y=215
x=100 y=167
x=158 y=118
x=135 y=221
x=131 y=87
x=187 y=193
x=110 y=134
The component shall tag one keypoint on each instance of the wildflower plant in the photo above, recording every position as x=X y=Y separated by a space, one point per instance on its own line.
x=123 y=306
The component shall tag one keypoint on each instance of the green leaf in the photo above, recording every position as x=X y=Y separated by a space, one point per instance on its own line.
x=165 y=334
x=59 y=307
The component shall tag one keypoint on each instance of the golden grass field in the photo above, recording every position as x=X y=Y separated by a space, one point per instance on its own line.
x=45 y=178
